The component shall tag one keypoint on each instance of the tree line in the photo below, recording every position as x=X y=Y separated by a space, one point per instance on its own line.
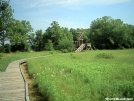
x=104 y=33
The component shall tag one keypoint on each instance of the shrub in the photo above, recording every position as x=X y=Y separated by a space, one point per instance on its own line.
x=66 y=44
x=49 y=46
x=7 y=48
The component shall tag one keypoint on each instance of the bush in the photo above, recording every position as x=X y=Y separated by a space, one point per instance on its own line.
x=66 y=45
x=49 y=46
x=7 y=48
x=105 y=56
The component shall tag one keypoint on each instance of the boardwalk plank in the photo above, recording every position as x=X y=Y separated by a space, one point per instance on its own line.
x=12 y=86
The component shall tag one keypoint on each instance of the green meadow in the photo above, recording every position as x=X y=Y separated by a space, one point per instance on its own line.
x=84 y=76
x=5 y=59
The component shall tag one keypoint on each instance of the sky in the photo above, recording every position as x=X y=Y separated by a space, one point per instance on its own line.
x=71 y=13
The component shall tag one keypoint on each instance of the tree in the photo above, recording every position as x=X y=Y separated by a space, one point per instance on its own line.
x=58 y=35
x=18 y=35
x=54 y=33
x=108 y=33
x=39 y=44
x=74 y=33
x=6 y=16
x=49 y=45
x=66 y=43
x=31 y=40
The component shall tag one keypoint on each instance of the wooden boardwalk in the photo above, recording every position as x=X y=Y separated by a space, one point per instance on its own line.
x=13 y=86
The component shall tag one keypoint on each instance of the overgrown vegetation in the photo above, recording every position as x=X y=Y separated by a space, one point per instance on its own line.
x=83 y=77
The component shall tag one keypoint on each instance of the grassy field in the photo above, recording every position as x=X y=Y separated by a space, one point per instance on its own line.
x=5 y=59
x=84 y=76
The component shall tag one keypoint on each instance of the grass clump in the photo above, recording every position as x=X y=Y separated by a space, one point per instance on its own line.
x=104 y=56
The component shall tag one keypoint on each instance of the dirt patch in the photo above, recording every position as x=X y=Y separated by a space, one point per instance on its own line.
x=34 y=94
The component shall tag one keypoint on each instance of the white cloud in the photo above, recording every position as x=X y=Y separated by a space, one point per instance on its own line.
x=66 y=3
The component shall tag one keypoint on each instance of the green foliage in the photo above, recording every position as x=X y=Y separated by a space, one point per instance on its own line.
x=6 y=17
x=66 y=45
x=49 y=46
x=81 y=77
x=54 y=33
x=61 y=38
x=38 y=43
x=7 y=48
x=108 y=33
x=18 y=35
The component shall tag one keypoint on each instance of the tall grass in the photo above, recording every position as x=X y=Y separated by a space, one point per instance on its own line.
x=83 y=77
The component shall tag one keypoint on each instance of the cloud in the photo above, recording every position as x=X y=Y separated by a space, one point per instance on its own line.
x=65 y=3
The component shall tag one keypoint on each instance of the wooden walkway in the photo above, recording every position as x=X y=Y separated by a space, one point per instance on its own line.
x=13 y=86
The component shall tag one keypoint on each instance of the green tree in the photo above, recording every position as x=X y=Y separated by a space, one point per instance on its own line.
x=74 y=33
x=108 y=33
x=39 y=44
x=49 y=46
x=31 y=40
x=66 y=43
x=6 y=16
x=58 y=35
x=54 y=33
x=18 y=35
